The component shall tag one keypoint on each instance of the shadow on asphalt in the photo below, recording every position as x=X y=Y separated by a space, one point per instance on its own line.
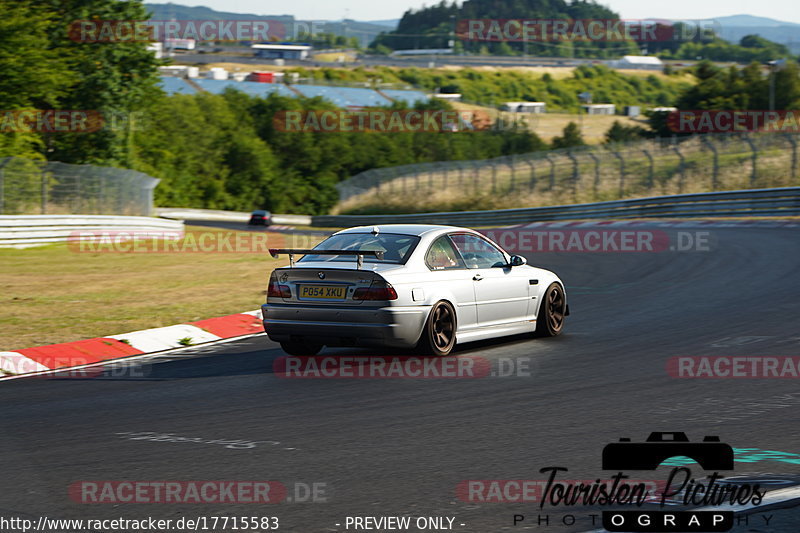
x=251 y=362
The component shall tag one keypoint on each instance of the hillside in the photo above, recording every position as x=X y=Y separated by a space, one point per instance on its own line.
x=366 y=32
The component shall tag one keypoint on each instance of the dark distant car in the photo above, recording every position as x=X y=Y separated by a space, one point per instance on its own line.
x=260 y=218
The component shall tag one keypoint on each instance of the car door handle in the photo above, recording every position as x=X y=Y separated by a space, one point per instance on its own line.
x=477 y=277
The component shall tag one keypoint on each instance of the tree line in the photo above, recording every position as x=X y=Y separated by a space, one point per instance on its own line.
x=224 y=151
x=437 y=26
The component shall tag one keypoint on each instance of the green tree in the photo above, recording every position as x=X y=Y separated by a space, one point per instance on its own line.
x=570 y=137
x=116 y=79
x=32 y=73
x=620 y=133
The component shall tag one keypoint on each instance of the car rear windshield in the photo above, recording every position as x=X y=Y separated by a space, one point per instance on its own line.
x=396 y=248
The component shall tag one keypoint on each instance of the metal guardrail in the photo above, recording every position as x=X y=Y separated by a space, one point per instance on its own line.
x=32 y=230
x=745 y=203
x=226 y=216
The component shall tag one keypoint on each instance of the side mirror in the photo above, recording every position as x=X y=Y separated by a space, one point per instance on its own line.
x=518 y=260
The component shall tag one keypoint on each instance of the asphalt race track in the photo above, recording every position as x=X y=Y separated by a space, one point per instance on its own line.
x=385 y=447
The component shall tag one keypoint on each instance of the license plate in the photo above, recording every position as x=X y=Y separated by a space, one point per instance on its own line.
x=330 y=292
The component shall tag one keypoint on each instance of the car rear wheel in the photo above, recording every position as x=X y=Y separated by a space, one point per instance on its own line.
x=439 y=335
x=552 y=310
x=301 y=348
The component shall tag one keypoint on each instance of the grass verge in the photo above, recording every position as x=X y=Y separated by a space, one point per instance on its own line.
x=52 y=294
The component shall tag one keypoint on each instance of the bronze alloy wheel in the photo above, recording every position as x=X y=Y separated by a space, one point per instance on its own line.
x=439 y=336
x=553 y=309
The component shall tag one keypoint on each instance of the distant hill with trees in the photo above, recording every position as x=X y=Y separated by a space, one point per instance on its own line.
x=434 y=27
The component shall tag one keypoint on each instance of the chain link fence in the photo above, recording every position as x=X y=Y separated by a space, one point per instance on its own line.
x=587 y=174
x=30 y=187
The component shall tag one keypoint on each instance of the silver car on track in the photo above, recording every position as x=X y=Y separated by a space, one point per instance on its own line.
x=408 y=286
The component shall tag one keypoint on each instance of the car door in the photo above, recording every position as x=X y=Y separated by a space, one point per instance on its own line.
x=501 y=296
x=448 y=269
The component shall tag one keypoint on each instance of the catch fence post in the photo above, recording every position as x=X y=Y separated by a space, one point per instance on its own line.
x=681 y=168
x=621 y=172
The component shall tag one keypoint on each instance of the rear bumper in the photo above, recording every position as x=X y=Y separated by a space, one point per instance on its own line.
x=398 y=327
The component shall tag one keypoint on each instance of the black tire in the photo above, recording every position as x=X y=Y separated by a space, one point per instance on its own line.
x=301 y=348
x=552 y=311
x=439 y=336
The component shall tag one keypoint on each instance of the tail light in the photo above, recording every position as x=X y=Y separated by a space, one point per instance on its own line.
x=378 y=290
x=276 y=290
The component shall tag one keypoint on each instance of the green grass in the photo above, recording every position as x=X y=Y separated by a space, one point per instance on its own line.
x=52 y=294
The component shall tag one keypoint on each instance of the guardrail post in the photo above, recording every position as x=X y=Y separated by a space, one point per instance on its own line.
x=621 y=173
x=650 y=178
x=754 y=157
x=596 y=183
x=715 y=170
x=792 y=140
x=681 y=168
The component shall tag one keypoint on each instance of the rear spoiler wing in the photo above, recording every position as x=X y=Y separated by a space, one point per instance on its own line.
x=275 y=252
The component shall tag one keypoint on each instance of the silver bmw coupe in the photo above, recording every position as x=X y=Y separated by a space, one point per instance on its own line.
x=408 y=286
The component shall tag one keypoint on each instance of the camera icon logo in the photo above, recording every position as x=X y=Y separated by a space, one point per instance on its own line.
x=710 y=454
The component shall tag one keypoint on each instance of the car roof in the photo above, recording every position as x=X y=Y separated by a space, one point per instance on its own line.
x=404 y=229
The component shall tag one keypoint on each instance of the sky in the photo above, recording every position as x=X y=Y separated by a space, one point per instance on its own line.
x=786 y=10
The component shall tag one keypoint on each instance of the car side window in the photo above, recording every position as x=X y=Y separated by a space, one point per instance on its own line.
x=443 y=256
x=478 y=252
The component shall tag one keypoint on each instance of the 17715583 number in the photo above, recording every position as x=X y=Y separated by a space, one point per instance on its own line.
x=237 y=523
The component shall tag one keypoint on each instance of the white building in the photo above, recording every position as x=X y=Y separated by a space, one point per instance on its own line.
x=157 y=49
x=179 y=71
x=423 y=52
x=281 y=51
x=525 y=107
x=180 y=44
x=450 y=97
x=637 y=62
x=599 y=109
x=217 y=73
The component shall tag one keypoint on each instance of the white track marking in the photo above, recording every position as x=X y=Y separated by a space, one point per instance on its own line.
x=132 y=357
